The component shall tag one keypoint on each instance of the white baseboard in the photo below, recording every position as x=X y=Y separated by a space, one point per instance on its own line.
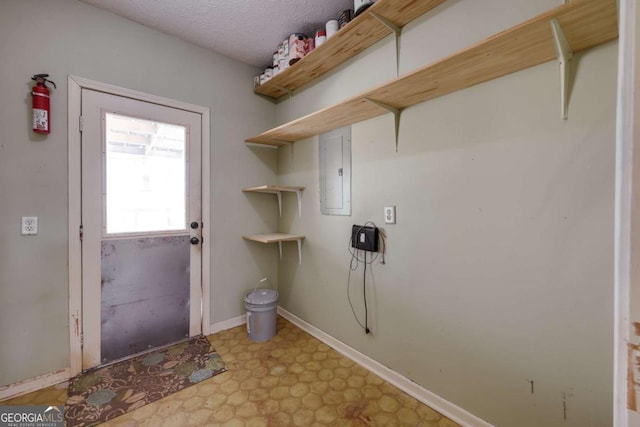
x=33 y=384
x=228 y=324
x=403 y=383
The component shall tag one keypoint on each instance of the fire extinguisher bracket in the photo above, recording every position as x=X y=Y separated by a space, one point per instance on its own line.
x=40 y=104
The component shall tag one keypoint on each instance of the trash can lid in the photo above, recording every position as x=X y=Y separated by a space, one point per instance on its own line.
x=261 y=296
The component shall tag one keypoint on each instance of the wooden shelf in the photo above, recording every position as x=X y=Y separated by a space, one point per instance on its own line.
x=278 y=238
x=270 y=189
x=273 y=237
x=277 y=190
x=585 y=23
x=364 y=31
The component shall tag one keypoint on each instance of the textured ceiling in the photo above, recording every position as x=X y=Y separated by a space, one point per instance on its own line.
x=246 y=30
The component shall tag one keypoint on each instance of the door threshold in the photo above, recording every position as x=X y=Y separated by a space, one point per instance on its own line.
x=134 y=355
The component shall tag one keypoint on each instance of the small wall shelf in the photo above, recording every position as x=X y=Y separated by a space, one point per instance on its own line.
x=278 y=238
x=584 y=24
x=278 y=190
x=365 y=30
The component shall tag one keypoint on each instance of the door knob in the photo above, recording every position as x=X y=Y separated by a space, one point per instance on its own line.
x=194 y=240
x=194 y=224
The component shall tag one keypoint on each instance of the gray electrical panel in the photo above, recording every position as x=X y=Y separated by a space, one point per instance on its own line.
x=335 y=172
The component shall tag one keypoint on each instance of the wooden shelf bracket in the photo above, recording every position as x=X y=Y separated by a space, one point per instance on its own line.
x=564 y=55
x=396 y=115
x=274 y=143
x=299 y=242
x=258 y=145
x=397 y=31
x=271 y=98
x=279 y=196
x=298 y=196
x=289 y=91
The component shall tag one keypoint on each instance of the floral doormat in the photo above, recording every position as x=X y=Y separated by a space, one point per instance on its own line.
x=106 y=393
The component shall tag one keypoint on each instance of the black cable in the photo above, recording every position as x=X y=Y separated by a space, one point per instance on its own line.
x=353 y=266
x=364 y=295
x=353 y=310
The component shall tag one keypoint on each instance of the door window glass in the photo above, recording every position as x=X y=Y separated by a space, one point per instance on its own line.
x=145 y=182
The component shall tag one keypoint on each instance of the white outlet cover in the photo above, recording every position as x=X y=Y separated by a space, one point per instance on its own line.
x=389 y=214
x=29 y=225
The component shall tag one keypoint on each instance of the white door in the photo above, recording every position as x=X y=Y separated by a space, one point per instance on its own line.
x=141 y=226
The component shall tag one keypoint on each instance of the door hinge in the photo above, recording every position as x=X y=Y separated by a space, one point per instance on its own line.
x=81 y=233
x=81 y=340
x=81 y=123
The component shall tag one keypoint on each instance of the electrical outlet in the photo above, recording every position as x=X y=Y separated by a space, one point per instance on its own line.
x=29 y=225
x=389 y=214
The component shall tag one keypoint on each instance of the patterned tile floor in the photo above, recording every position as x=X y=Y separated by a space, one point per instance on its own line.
x=291 y=380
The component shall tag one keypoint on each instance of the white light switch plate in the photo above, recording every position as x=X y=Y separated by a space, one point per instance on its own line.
x=29 y=225
x=389 y=214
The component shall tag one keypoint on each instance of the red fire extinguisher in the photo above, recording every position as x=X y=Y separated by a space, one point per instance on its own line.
x=40 y=104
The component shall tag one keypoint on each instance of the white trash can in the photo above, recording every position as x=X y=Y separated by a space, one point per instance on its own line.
x=261 y=307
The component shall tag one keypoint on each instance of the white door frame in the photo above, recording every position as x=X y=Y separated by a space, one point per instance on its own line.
x=627 y=219
x=75 y=86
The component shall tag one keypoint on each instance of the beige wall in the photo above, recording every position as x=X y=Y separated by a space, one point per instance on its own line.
x=69 y=37
x=500 y=268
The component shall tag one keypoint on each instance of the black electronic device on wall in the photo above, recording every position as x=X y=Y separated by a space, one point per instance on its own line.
x=364 y=238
